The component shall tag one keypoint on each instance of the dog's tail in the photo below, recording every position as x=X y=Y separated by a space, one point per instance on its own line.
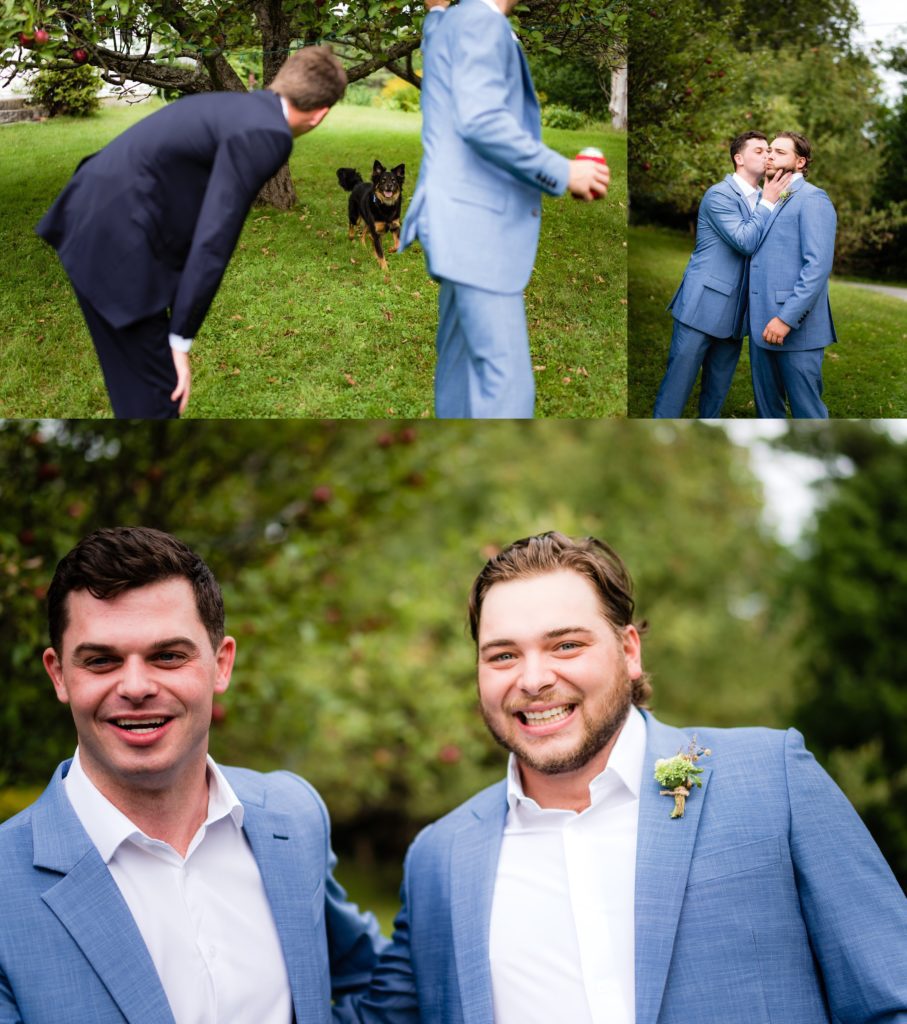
x=348 y=178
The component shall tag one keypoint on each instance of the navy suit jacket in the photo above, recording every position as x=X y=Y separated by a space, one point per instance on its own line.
x=70 y=949
x=767 y=903
x=712 y=294
x=151 y=220
x=790 y=270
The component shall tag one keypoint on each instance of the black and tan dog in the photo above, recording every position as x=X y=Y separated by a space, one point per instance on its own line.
x=376 y=203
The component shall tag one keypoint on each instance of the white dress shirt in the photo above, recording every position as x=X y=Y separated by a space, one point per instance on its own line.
x=750 y=192
x=561 y=940
x=205 y=918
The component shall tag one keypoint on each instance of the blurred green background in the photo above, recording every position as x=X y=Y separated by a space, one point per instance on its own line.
x=346 y=551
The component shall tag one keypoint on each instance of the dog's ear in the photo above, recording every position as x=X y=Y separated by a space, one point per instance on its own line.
x=377 y=170
x=399 y=171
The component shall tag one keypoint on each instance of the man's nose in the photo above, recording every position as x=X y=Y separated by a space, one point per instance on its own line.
x=538 y=674
x=136 y=681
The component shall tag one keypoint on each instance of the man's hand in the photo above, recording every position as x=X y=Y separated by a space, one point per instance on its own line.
x=588 y=177
x=429 y=4
x=776 y=330
x=771 y=190
x=183 y=378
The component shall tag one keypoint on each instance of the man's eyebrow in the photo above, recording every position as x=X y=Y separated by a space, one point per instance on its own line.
x=89 y=647
x=551 y=634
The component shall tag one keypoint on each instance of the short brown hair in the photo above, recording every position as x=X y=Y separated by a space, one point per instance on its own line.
x=591 y=558
x=107 y=562
x=741 y=140
x=310 y=78
x=802 y=148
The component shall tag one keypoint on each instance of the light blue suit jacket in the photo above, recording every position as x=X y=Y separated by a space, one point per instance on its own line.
x=70 y=949
x=477 y=205
x=767 y=903
x=790 y=269
x=712 y=293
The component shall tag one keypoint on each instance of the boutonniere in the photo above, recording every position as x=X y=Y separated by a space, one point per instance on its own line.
x=786 y=194
x=679 y=774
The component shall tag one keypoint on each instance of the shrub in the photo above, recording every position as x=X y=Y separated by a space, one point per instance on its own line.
x=72 y=91
x=556 y=116
x=400 y=95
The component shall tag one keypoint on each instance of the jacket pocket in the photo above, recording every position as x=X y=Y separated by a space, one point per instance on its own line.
x=488 y=200
x=719 y=286
x=735 y=861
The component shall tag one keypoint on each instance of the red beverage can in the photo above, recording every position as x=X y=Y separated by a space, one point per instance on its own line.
x=597 y=156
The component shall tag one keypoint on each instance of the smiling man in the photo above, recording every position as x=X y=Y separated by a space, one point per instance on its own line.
x=575 y=890
x=147 y=884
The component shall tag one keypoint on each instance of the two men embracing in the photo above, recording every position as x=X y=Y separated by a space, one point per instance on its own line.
x=760 y=267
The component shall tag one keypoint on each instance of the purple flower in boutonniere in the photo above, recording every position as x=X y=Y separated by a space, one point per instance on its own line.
x=679 y=774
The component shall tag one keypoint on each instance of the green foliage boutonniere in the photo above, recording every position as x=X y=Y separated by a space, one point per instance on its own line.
x=786 y=194
x=679 y=774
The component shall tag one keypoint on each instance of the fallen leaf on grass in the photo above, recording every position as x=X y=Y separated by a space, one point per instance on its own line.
x=566 y=380
x=417 y=295
x=539 y=368
x=388 y=315
x=350 y=380
x=291 y=332
x=353 y=260
x=236 y=316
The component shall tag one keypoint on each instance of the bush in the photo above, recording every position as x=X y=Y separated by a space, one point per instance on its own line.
x=72 y=91
x=400 y=95
x=360 y=94
x=556 y=116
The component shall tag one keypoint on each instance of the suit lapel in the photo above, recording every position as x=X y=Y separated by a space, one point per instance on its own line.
x=663 y=853
x=89 y=905
x=741 y=199
x=779 y=206
x=285 y=853
x=473 y=868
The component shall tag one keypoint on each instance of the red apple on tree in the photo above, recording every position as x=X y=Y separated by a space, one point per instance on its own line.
x=80 y=55
x=42 y=36
x=26 y=40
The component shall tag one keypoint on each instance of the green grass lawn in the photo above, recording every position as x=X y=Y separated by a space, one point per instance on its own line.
x=865 y=373
x=305 y=323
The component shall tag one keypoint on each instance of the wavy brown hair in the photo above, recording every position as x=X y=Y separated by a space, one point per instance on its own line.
x=591 y=558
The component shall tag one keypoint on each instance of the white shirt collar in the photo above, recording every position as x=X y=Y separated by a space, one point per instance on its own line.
x=107 y=826
x=745 y=187
x=493 y=6
x=799 y=174
x=285 y=105
x=625 y=764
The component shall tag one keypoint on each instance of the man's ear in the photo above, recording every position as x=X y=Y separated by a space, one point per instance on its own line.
x=54 y=668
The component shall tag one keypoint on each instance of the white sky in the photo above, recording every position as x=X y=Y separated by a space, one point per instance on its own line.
x=786 y=476
x=885 y=20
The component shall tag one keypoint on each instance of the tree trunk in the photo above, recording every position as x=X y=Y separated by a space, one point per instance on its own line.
x=275 y=38
x=279 y=191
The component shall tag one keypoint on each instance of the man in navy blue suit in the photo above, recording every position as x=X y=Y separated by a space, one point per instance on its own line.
x=146 y=227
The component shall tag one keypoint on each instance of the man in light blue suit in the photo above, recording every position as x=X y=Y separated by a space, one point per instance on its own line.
x=147 y=885
x=477 y=205
x=790 y=323
x=709 y=305
x=582 y=890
